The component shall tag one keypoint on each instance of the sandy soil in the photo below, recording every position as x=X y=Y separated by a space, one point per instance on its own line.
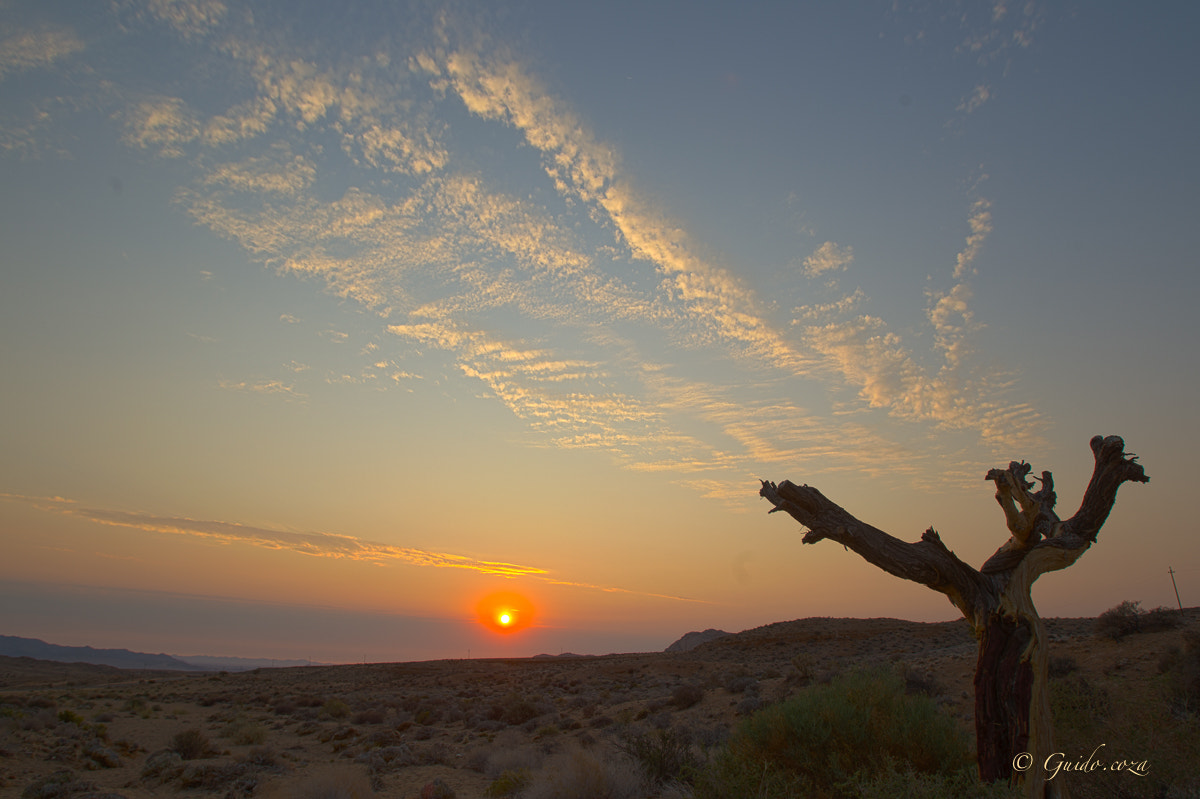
x=398 y=727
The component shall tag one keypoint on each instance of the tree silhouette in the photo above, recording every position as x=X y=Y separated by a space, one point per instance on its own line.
x=1012 y=706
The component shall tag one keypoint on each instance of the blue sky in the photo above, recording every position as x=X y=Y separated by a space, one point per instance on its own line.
x=366 y=310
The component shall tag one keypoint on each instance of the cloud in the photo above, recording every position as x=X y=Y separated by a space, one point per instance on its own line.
x=162 y=123
x=829 y=257
x=30 y=49
x=280 y=173
x=189 y=17
x=241 y=122
x=975 y=100
x=286 y=390
x=697 y=292
x=324 y=545
x=314 y=544
x=570 y=310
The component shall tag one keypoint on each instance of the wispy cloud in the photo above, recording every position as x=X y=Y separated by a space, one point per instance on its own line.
x=314 y=544
x=323 y=545
x=975 y=100
x=286 y=390
x=571 y=302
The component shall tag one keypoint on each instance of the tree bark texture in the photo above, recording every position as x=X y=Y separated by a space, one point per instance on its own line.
x=1012 y=708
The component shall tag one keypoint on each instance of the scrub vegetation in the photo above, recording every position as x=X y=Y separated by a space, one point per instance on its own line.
x=827 y=708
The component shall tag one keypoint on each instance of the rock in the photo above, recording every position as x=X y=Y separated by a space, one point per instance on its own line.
x=100 y=756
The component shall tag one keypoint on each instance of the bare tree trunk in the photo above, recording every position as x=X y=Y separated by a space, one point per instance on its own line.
x=1012 y=707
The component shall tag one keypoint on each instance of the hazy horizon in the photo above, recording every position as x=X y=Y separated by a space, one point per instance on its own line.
x=336 y=330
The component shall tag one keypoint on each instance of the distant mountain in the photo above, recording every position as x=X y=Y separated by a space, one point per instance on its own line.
x=693 y=639
x=210 y=663
x=12 y=646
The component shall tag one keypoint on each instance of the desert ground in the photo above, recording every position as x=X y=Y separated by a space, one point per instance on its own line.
x=399 y=729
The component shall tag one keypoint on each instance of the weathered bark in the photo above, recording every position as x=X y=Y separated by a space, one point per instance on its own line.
x=1012 y=708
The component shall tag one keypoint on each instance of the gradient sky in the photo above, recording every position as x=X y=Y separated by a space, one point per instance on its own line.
x=320 y=321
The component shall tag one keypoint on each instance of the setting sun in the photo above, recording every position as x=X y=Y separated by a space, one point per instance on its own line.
x=505 y=612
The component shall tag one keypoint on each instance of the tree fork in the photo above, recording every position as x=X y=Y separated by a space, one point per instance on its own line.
x=1012 y=708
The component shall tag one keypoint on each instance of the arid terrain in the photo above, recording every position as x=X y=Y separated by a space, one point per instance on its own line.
x=393 y=729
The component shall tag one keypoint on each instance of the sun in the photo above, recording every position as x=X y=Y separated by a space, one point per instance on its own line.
x=504 y=612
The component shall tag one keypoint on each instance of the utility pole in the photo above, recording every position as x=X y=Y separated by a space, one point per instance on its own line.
x=1171 y=572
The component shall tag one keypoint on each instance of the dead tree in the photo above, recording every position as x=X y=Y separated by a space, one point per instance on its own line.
x=1012 y=706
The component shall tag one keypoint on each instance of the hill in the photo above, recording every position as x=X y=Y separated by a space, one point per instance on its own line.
x=15 y=647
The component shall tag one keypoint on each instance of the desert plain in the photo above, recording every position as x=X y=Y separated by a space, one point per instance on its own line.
x=457 y=727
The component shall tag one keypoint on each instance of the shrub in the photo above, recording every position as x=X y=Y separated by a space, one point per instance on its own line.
x=191 y=744
x=245 y=732
x=515 y=758
x=579 y=774
x=1128 y=618
x=663 y=755
x=1061 y=666
x=509 y=783
x=1120 y=621
x=60 y=783
x=686 y=696
x=513 y=709
x=69 y=717
x=342 y=783
x=335 y=709
x=1161 y=618
x=828 y=735
x=1182 y=668
x=369 y=716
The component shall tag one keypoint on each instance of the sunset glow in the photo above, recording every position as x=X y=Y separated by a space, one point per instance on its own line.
x=505 y=612
x=404 y=329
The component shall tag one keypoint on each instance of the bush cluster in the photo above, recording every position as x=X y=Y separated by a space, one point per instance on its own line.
x=836 y=739
x=1128 y=618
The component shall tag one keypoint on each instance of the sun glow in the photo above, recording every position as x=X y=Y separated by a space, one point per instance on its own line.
x=504 y=612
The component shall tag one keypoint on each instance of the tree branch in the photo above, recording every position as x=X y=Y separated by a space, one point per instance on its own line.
x=1113 y=467
x=927 y=561
x=1031 y=517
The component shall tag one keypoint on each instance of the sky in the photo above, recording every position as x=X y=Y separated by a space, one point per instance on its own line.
x=328 y=330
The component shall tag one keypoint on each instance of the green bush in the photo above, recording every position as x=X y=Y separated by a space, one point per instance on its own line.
x=821 y=740
x=69 y=717
x=510 y=783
